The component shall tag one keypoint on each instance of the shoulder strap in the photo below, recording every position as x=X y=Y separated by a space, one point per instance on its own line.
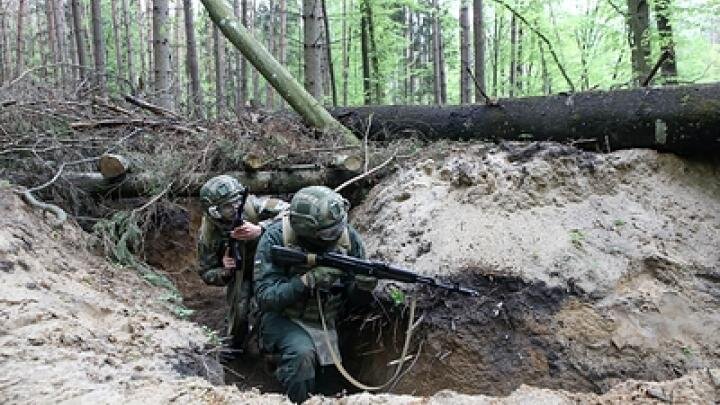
x=287 y=231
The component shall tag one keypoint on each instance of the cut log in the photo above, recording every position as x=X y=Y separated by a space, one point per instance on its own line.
x=252 y=161
x=682 y=119
x=261 y=182
x=112 y=166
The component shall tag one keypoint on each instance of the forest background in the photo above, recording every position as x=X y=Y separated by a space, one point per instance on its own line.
x=354 y=52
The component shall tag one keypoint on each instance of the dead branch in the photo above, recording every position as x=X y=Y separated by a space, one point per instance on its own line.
x=488 y=100
x=155 y=109
x=665 y=55
x=366 y=174
x=119 y=122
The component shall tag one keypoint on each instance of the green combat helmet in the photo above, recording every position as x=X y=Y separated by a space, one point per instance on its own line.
x=319 y=214
x=220 y=196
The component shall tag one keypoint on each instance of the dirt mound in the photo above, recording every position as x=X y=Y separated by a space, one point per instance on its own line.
x=618 y=254
x=74 y=327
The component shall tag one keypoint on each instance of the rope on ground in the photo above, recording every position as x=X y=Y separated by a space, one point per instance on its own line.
x=401 y=360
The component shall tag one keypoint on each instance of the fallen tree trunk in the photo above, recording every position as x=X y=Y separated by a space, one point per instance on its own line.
x=259 y=182
x=681 y=119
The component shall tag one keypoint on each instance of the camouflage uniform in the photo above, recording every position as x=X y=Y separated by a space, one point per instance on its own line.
x=290 y=321
x=213 y=240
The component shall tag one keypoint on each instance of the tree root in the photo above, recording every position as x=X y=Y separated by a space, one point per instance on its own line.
x=60 y=215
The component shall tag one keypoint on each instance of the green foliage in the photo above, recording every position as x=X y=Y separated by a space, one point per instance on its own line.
x=576 y=237
x=397 y=296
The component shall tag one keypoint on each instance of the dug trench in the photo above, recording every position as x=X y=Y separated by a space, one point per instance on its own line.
x=593 y=270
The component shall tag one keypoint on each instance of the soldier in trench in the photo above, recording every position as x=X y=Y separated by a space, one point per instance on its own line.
x=220 y=198
x=288 y=297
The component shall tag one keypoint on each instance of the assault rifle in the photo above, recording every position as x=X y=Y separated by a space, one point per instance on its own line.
x=285 y=256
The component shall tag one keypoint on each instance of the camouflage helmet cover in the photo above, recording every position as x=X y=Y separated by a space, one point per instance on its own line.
x=220 y=190
x=319 y=213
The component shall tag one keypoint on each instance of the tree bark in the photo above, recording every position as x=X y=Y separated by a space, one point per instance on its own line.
x=219 y=43
x=513 y=55
x=271 y=37
x=638 y=17
x=192 y=60
x=308 y=107
x=365 y=53
x=142 y=75
x=128 y=44
x=116 y=43
x=3 y=44
x=479 y=42
x=79 y=39
x=282 y=55
x=59 y=10
x=162 y=55
x=437 y=78
x=328 y=47
x=375 y=67
x=465 y=53
x=260 y=182
x=99 y=48
x=682 y=119
x=668 y=70
x=312 y=20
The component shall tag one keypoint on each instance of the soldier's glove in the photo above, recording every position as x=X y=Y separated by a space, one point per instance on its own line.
x=322 y=277
x=365 y=283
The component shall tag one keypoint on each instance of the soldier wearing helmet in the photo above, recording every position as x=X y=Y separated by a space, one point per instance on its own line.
x=290 y=317
x=220 y=198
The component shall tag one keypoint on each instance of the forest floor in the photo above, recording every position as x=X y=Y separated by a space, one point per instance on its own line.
x=599 y=274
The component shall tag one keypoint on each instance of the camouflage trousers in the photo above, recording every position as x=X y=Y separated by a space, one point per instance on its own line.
x=238 y=299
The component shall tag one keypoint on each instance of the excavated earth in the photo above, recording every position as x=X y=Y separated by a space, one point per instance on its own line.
x=599 y=274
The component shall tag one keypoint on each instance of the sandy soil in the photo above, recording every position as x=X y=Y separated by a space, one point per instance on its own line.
x=610 y=275
x=617 y=255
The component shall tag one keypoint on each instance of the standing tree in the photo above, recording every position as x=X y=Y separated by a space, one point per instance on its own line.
x=192 y=60
x=328 y=47
x=312 y=22
x=79 y=38
x=667 y=45
x=162 y=56
x=465 y=53
x=437 y=50
x=479 y=42
x=128 y=44
x=365 y=51
x=116 y=42
x=637 y=20
x=98 y=48
x=219 y=44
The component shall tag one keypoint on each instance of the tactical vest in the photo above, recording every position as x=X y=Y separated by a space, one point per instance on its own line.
x=307 y=310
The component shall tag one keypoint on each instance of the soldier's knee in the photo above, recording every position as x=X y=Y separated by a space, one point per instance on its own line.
x=302 y=359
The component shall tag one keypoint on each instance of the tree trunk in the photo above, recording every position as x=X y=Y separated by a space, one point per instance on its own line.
x=497 y=28
x=638 y=17
x=219 y=43
x=668 y=70
x=328 y=46
x=52 y=38
x=116 y=43
x=150 y=45
x=346 y=38
x=365 y=51
x=308 y=107
x=513 y=55
x=99 y=48
x=260 y=182
x=59 y=10
x=437 y=78
x=162 y=56
x=312 y=20
x=3 y=44
x=680 y=119
x=269 y=96
x=192 y=60
x=177 y=46
x=79 y=39
x=519 y=66
x=128 y=44
x=142 y=75
x=479 y=42
x=375 y=67
x=464 y=53
x=242 y=88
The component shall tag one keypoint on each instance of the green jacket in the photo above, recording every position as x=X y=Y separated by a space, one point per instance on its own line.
x=214 y=237
x=280 y=290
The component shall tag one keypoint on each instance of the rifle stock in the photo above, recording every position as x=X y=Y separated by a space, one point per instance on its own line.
x=285 y=256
